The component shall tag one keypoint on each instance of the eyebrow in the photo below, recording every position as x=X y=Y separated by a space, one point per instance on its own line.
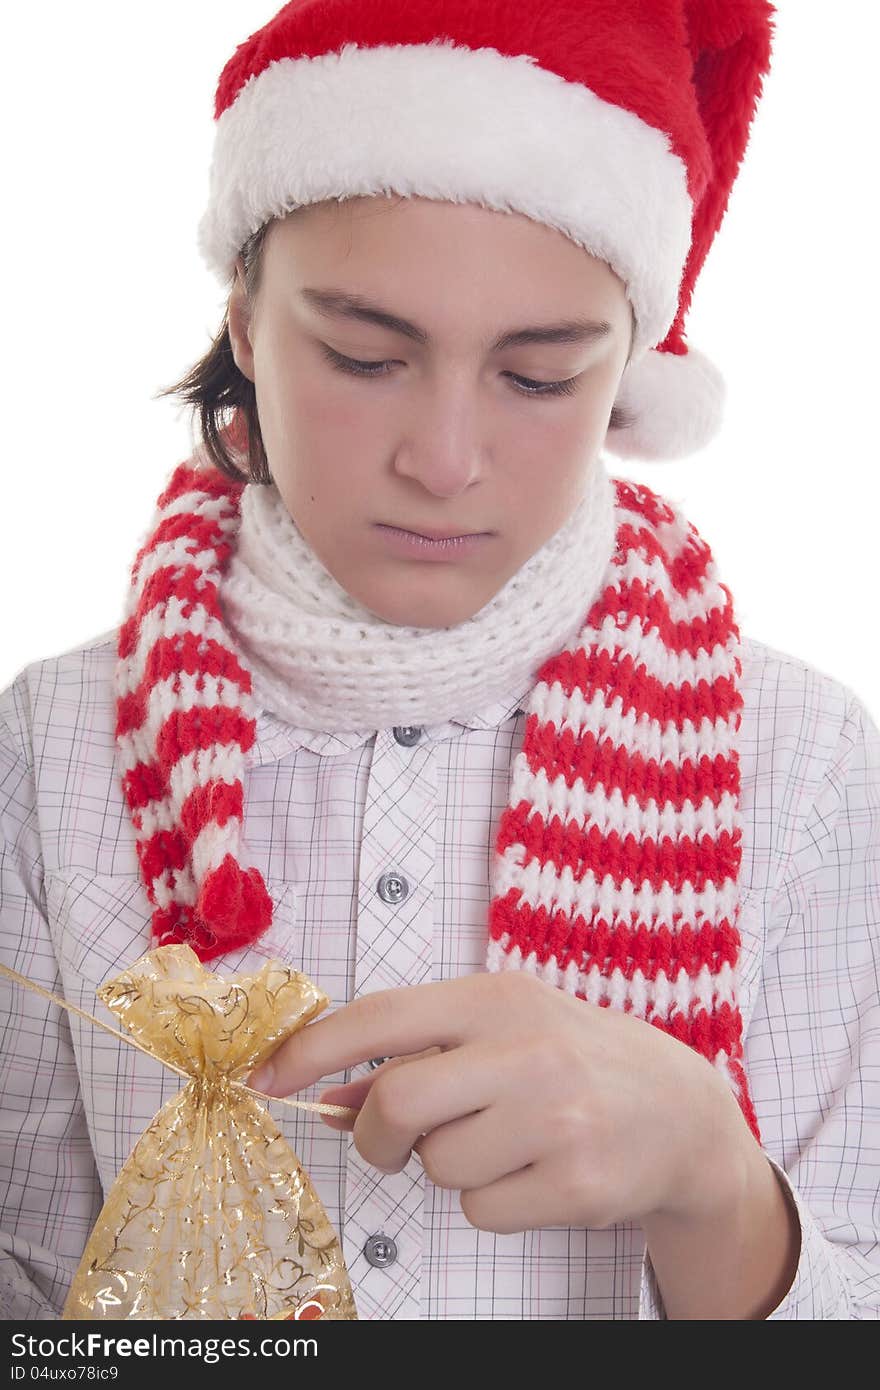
x=340 y=304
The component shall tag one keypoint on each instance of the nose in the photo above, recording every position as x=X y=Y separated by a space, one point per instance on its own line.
x=441 y=446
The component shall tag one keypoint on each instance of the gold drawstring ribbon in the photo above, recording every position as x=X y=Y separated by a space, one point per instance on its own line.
x=316 y=1107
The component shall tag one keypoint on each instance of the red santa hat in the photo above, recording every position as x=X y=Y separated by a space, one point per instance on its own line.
x=621 y=123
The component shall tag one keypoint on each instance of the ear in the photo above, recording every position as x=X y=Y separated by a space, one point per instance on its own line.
x=239 y=316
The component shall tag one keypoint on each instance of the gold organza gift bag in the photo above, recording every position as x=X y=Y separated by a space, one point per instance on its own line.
x=212 y=1215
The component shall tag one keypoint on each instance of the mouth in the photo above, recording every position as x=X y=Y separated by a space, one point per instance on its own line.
x=416 y=545
x=427 y=535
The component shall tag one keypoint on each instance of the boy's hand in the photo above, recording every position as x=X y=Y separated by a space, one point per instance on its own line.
x=541 y=1109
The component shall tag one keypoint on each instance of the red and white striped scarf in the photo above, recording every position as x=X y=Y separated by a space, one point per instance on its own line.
x=617 y=859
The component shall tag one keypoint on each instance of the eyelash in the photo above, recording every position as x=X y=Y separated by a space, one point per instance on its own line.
x=356 y=368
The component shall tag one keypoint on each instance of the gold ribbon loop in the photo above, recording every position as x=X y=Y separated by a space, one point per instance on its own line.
x=316 y=1107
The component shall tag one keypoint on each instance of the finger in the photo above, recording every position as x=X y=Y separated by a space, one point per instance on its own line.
x=481 y=1148
x=354 y=1093
x=390 y=1022
x=523 y=1201
x=415 y=1099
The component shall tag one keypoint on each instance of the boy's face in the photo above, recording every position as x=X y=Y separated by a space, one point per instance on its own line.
x=444 y=439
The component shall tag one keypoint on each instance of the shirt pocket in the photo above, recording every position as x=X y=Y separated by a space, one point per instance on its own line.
x=100 y=925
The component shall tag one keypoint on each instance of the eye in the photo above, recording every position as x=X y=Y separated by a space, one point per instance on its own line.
x=522 y=383
x=545 y=388
x=351 y=365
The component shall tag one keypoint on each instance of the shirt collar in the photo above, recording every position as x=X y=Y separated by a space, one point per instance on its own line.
x=275 y=738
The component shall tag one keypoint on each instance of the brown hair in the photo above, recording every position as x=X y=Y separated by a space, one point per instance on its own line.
x=215 y=386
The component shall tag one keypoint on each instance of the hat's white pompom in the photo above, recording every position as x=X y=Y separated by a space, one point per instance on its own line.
x=674 y=404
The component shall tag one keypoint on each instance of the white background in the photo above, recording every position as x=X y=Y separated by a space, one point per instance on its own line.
x=108 y=129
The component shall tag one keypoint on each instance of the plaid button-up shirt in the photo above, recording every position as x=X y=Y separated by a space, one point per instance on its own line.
x=325 y=818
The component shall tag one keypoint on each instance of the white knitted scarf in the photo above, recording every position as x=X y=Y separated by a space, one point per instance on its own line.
x=321 y=660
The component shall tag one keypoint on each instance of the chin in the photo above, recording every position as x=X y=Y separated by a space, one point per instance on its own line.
x=402 y=611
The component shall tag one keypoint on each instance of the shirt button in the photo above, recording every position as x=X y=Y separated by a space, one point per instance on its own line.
x=380 y=1251
x=407 y=735
x=392 y=888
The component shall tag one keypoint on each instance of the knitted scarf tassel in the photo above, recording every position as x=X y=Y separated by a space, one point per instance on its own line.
x=185 y=719
x=616 y=871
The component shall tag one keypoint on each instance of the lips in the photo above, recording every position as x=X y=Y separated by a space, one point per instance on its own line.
x=434 y=535
x=409 y=545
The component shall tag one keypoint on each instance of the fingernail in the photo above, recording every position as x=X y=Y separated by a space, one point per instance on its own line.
x=262 y=1078
x=336 y=1095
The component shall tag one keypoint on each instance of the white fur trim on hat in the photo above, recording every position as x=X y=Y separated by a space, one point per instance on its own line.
x=444 y=121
